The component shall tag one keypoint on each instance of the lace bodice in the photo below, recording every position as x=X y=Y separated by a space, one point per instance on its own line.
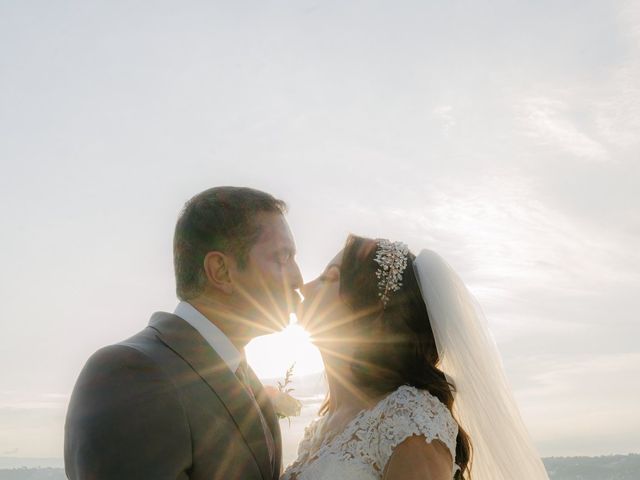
x=362 y=450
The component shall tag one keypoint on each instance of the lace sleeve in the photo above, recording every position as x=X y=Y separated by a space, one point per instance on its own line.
x=304 y=447
x=409 y=411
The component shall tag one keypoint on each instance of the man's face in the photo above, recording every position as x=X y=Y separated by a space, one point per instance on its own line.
x=265 y=287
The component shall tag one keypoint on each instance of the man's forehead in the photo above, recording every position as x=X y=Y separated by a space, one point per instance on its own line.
x=274 y=229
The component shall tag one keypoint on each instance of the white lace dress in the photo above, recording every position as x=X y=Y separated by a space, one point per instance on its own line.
x=361 y=451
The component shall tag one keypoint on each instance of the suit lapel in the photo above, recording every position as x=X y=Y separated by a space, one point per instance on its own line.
x=183 y=339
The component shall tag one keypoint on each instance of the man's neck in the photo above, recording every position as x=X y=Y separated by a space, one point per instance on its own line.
x=233 y=324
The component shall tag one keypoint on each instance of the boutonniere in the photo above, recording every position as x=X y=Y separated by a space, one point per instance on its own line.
x=284 y=404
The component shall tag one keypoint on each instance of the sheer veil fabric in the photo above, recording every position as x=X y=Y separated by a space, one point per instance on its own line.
x=484 y=404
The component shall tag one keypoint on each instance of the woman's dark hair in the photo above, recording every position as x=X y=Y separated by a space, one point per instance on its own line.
x=222 y=219
x=398 y=346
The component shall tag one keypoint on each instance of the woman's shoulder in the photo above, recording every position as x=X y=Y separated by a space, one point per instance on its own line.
x=407 y=399
x=409 y=411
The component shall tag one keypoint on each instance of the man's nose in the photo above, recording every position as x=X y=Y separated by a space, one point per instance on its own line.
x=296 y=277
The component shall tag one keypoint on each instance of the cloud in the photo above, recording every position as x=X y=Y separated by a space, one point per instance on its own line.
x=557 y=374
x=497 y=231
x=13 y=401
x=587 y=402
x=444 y=114
x=549 y=123
x=597 y=118
x=618 y=104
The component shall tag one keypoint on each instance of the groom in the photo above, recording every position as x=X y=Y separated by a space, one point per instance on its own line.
x=177 y=400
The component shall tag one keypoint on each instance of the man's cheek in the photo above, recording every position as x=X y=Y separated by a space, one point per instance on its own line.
x=278 y=276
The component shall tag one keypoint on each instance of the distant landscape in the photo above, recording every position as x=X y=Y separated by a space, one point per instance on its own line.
x=610 y=467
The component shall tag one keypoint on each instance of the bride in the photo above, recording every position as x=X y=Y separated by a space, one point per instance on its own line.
x=416 y=386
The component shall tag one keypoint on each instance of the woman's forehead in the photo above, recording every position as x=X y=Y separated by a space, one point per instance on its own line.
x=337 y=260
x=366 y=248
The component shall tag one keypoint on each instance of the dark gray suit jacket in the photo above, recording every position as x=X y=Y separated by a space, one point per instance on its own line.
x=164 y=405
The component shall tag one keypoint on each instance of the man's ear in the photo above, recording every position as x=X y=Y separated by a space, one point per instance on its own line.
x=216 y=268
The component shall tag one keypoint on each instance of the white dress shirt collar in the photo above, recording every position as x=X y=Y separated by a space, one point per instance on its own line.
x=212 y=334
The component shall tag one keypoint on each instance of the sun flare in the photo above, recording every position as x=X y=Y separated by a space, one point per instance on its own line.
x=271 y=355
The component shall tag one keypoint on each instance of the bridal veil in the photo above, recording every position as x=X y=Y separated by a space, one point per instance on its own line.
x=484 y=404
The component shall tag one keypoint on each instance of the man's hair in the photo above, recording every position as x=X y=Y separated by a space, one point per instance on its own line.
x=219 y=219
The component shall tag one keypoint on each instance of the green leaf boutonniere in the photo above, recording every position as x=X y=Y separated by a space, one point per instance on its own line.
x=283 y=402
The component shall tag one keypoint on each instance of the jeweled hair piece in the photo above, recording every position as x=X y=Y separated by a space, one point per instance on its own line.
x=392 y=260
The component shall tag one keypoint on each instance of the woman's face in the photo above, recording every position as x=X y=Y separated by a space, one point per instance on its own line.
x=323 y=313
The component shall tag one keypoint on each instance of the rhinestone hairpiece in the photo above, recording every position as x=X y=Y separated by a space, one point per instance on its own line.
x=392 y=259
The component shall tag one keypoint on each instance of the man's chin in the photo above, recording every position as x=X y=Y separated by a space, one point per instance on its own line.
x=281 y=325
x=303 y=316
x=269 y=329
x=280 y=320
x=279 y=317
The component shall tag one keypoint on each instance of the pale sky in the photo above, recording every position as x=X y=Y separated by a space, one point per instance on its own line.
x=504 y=135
